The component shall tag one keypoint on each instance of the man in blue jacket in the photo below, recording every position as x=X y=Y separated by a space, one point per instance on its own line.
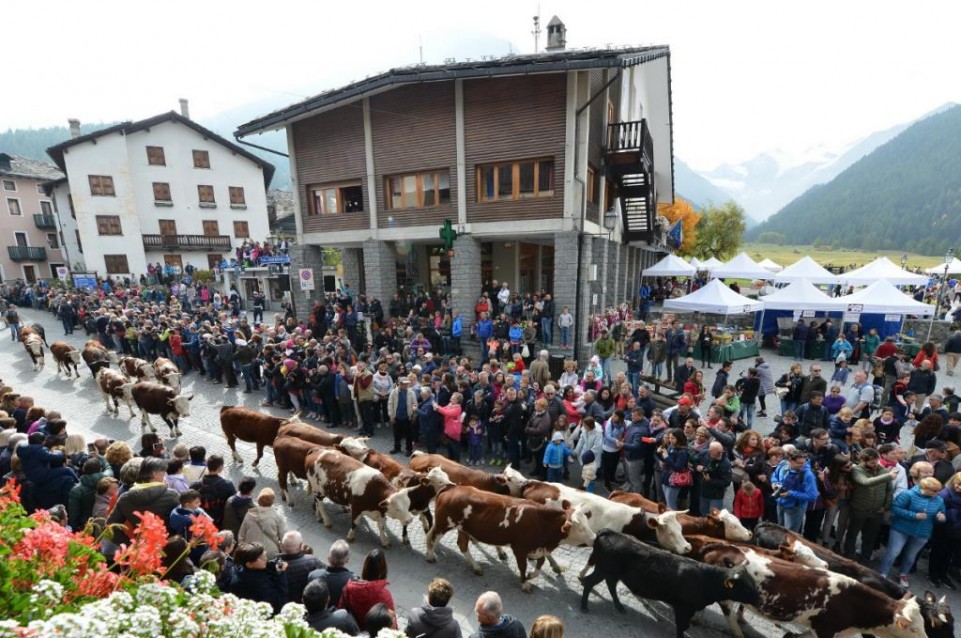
x=676 y=347
x=636 y=451
x=795 y=487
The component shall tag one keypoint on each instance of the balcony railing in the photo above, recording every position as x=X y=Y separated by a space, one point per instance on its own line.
x=27 y=253
x=45 y=221
x=219 y=243
x=624 y=137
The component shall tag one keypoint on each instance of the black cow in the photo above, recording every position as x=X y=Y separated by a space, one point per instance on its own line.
x=659 y=575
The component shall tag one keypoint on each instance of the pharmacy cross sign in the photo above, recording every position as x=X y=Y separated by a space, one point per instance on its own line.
x=448 y=235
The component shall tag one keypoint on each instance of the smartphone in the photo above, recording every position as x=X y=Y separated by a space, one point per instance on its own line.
x=91 y=448
x=158 y=446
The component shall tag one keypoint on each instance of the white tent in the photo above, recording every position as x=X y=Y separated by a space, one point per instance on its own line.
x=714 y=297
x=711 y=263
x=695 y=262
x=801 y=295
x=771 y=265
x=670 y=266
x=883 y=268
x=806 y=269
x=742 y=267
x=881 y=297
x=954 y=268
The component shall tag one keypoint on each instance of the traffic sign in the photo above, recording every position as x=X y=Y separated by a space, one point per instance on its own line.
x=306 y=277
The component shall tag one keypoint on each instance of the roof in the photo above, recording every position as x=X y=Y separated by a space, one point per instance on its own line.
x=57 y=152
x=547 y=62
x=16 y=166
x=286 y=224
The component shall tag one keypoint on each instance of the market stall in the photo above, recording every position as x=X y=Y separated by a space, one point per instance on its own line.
x=670 y=266
x=881 y=305
x=883 y=268
x=801 y=299
x=771 y=265
x=716 y=298
x=710 y=264
x=742 y=267
x=953 y=268
x=806 y=269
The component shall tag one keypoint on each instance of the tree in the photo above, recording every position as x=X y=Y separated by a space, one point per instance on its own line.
x=720 y=231
x=682 y=210
x=771 y=237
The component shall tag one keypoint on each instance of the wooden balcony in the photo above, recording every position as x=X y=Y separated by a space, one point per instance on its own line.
x=27 y=253
x=45 y=222
x=207 y=243
x=629 y=159
x=630 y=143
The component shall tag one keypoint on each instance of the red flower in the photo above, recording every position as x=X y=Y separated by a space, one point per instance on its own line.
x=9 y=493
x=203 y=530
x=48 y=544
x=144 y=555
x=98 y=583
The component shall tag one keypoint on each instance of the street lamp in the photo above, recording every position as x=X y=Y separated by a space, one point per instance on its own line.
x=948 y=255
x=610 y=220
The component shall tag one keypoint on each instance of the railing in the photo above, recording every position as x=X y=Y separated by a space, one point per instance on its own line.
x=45 y=221
x=188 y=242
x=27 y=253
x=630 y=136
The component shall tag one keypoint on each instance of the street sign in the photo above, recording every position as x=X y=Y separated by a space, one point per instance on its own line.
x=278 y=259
x=306 y=277
x=62 y=272
x=85 y=281
x=448 y=235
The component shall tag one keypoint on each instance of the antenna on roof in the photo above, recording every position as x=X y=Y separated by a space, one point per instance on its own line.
x=420 y=47
x=537 y=29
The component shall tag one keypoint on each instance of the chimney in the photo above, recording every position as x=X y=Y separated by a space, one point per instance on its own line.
x=556 y=35
x=74 y=127
x=185 y=108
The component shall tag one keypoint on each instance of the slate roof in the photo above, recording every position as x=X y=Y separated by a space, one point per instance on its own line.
x=16 y=166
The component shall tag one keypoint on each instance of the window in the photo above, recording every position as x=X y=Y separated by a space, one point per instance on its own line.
x=73 y=212
x=101 y=185
x=211 y=228
x=241 y=230
x=9 y=185
x=201 y=159
x=237 y=196
x=515 y=180
x=79 y=243
x=46 y=208
x=168 y=227
x=155 y=156
x=40 y=189
x=116 y=264
x=336 y=199
x=109 y=225
x=13 y=206
x=592 y=185
x=53 y=241
x=161 y=193
x=21 y=239
x=206 y=195
x=421 y=190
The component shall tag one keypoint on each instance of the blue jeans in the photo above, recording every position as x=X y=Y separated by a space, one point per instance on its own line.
x=565 y=336
x=788 y=405
x=747 y=413
x=14 y=331
x=656 y=369
x=247 y=372
x=555 y=475
x=791 y=517
x=707 y=504
x=897 y=542
x=633 y=378
x=799 y=350
x=547 y=325
x=671 y=495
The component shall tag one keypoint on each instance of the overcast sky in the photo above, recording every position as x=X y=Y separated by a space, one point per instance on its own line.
x=747 y=76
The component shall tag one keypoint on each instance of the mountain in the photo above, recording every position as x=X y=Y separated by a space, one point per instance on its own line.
x=691 y=187
x=904 y=195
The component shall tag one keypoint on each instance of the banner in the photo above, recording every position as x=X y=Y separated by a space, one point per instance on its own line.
x=278 y=259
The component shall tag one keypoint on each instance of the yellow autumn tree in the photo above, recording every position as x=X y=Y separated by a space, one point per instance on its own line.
x=682 y=210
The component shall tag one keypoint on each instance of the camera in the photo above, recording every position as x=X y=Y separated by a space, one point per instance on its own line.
x=158 y=446
x=277 y=565
x=91 y=448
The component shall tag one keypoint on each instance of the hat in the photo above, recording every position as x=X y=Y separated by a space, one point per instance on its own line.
x=936 y=444
x=403 y=380
x=685 y=401
x=557 y=436
x=239 y=342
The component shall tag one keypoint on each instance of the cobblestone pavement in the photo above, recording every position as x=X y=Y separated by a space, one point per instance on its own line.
x=82 y=406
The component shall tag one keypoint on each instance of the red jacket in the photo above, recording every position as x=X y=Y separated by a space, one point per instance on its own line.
x=360 y=595
x=749 y=506
x=176 y=345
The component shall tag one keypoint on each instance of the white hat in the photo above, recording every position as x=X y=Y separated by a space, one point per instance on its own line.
x=240 y=342
x=557 y=436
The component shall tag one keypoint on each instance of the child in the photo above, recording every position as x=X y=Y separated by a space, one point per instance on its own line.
x=181 y=519
x=475 y=440
x=749 y=505
x=840 y=377
x=495 y=434
x=555 y=458
x=951 y=400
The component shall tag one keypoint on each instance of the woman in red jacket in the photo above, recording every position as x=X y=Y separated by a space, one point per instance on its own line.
x=749 y=505
x=453 y=424
x=361 y=594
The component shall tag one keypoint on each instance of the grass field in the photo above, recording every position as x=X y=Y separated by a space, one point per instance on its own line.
x=787 y=255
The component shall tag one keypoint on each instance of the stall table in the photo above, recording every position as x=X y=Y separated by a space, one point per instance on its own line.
x=729 y=351
x=910 y=349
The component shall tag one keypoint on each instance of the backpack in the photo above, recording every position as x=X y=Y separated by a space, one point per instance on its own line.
x=211 y=502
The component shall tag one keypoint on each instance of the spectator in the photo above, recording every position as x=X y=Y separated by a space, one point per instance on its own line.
x=321 y=615
x=860 y=396
x=945 y=548
x=922 y=382
x=795 y=487
x=749 y=505
x=183 y=516
x=935 y=453
x=83 y=495
x=195 y=469
x=360 y=595
x=434 y=619
x=870 y=499
x=237 y=506
x=915 y=513
x=494 y=623
x=258 y=579
x=263 y=524
x=150 y=494
x=214 y=489
x=716 y=477
x=175 y=476
x=547 y=627
x=380 y=616
x=952 y=352
x=300 y=563
x=336 y=573
x=555 y=458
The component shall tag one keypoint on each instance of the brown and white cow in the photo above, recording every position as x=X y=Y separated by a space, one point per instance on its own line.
x=803 y=557
x=139 y=369
x=33 y=344
x=115 y=387
x=307 y=432
x=460 y=474
x=290 y=454
x=530 y=529
x=348 y=482
x=66 y=357
x=825 y=603
x=153 y=398
x=97 y=357
x=252 y=426
x=167 y=373
x=719 y=523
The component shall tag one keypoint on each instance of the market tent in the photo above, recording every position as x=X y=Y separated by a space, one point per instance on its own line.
x=714 y=297
x=695 y=262
x=808 y=270
x=670 y=266
x=742 y=267
x=881 y=297
x=771 y=265
x=883 y=268
x=954 y=268
x=802 y=295
x=711 y=263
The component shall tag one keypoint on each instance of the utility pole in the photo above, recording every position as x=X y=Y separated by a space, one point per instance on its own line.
x=537 y=29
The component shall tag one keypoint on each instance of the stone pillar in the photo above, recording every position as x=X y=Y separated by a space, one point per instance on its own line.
x=380 y=270
x=465 y=280
x=600 y=285
x=565 y=277
x=624 y=274
x=614 y=274
x=352 y=261
x=582 y=313
x=305 y=256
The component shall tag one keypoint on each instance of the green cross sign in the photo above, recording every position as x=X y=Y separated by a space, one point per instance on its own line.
x=448 y=235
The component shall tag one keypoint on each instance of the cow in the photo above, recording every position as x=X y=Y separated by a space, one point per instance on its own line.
x=34 y=329
x=719 y=523
x=139 y=369
x=803 y=555
x=153 y=398
x=529 y=529
x=420 y=498
x=290 y=454
x=348 y=482
x=97 y=357
x=686 y=585
x=252 y=426
x=34 y=347
x=460 y=474
x=296 y=427
x=603 y=513
x=827 y=604
x=115 y=387
x=66 y=356
x=167 y=373
x=938 y=619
